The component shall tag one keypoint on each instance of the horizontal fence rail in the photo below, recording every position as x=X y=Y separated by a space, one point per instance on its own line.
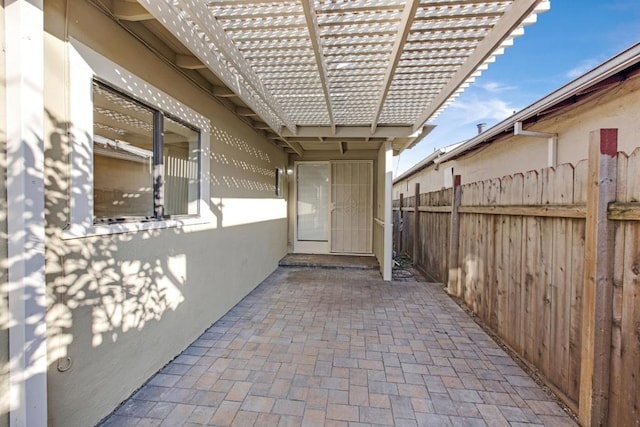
x=616 y=211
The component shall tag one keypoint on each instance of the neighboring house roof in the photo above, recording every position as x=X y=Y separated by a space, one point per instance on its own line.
x=611 y=72
x=318 y=73
x=426 y=161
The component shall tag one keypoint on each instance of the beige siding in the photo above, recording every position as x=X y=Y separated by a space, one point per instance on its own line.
x=122 y=306
x=4 y=309
x=615 y=108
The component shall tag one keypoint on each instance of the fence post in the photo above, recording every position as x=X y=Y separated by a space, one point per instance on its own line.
x=416 y=225
x=598 y=279
x=454 y=239
x=400 y=224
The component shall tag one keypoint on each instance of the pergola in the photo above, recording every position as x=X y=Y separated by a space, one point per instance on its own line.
x=332 y=74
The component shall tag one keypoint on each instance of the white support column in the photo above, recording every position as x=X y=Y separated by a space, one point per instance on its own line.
x=25 y=213
x=388 y=211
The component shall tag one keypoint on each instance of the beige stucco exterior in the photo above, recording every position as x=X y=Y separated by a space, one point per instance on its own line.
x=617 y=107
x=122 y=305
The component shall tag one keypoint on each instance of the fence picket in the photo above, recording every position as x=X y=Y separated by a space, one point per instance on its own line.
x=531 y=265
x=503 y=254
x=546 y=273
x=575 y=304
x=615 y=397
x=630 y=331
x=493 y=198
x=482 y=253
x=561 y=284
x=515 y=265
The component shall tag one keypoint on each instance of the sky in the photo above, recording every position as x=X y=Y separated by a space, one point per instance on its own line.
x=570 y=39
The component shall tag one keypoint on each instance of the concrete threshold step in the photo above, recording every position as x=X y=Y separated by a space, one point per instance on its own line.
x=330 y=261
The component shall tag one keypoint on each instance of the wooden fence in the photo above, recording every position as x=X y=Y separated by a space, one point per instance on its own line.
x=433 y=222
x=550 y=261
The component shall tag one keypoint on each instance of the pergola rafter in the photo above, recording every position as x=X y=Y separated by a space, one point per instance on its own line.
x=408 y=15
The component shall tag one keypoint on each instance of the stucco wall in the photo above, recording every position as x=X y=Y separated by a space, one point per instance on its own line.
x=121 y=306
x=4 y=305
x=618 y=107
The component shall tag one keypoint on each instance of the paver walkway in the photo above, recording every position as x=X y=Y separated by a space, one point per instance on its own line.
x=342 y=348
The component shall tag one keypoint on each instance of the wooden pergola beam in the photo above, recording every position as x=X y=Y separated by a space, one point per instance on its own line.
x=295 y=146
x=261 y=126
x=189 y=62
x=223 y=92
x=128 y=11
x=314 y=34
x=408 y=14
x=343 y=147
x=460 y=16
x=335 y=140
x=351 y=132
x=246 y=112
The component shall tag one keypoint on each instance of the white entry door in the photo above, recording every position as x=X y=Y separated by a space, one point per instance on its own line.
x=352 y=207
x=312 y=228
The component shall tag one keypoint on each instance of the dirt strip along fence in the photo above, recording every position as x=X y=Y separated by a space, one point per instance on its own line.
x=550 y=261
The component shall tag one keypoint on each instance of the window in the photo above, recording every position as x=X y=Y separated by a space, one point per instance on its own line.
x=138 y=157
x=279 y=181
x=145 y=162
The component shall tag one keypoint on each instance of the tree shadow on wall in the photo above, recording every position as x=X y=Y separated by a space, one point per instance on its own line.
x=109 y=279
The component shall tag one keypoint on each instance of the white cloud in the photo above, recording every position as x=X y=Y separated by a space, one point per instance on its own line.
x=476 y=110
x=495 y=87
x=582 y=68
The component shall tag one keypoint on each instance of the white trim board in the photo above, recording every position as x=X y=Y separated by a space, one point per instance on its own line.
x=24 y=44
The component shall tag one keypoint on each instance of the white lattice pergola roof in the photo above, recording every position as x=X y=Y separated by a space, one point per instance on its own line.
x=345 y=70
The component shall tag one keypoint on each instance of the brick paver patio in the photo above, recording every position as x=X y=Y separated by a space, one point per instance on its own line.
x=342 y=348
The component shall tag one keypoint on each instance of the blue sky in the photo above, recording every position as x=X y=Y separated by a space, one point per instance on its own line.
x=570 y=39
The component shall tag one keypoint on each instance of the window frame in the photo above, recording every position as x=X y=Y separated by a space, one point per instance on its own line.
x=86 y=65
